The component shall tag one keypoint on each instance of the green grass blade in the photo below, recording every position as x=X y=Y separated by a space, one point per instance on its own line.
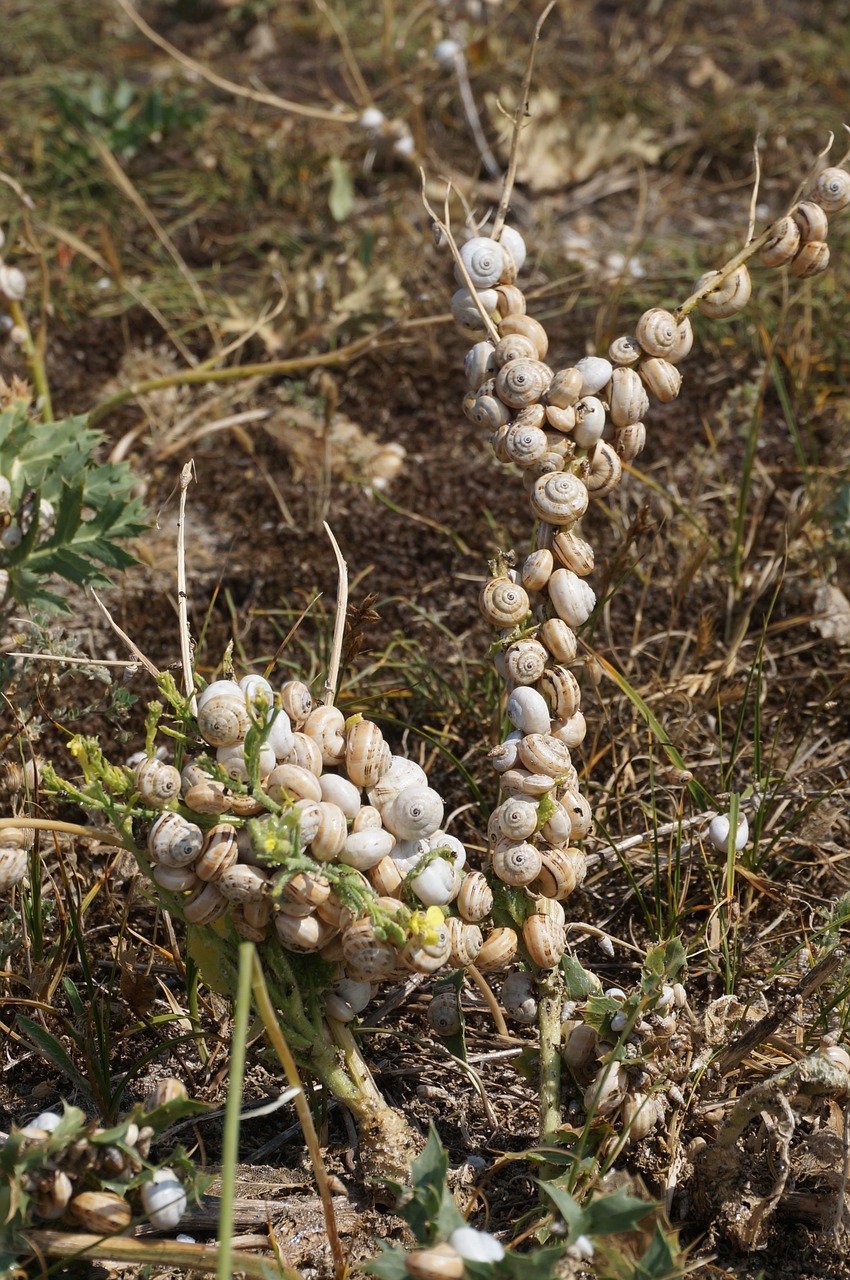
x=230 y=1151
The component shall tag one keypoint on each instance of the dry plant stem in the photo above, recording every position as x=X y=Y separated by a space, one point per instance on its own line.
x=339 y=621
x=69 y=828
x=443 y=225
x=473 y=119
x=522 y=108
x=302 y=1107
x=131 y=645
x=182 y=594
x=492 y=1003
x=342 y=115
x=161 y=1254
x=35 y=362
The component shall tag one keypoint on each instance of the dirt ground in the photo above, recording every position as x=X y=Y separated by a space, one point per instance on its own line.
x=637 y=176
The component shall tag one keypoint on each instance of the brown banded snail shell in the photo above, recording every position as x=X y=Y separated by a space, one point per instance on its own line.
x=606 y=470
x=475 y=898
x=525 y=661
x=545 y=941
x=812 y=258
x=662 y=378
x=498 y=950
x=781 y=246
x=730 y=296
x=536 y=569
x=627 y=398
x=529 y=328
x=832 y=189
x=173 y=841
x=156 y=782
x=812 y=221
x=516 y=864
x=559 y=498
x=573 y=552
x=559 y=639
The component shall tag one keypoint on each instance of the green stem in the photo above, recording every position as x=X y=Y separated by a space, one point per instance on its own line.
x=230 y=1152
x=551 y=994
x=35 y=361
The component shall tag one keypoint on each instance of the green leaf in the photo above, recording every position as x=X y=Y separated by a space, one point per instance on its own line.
x=569 y=1209
x=662 y=1260
x=607 y=1215
x=390 y=1265
x=341 y=197
x=580 y=982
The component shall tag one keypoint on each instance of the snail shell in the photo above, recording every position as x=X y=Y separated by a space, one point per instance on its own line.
x=401 y=773
x=498 y=950
x=518 y=997
x=558 y=828
x=580 y=814
x=542 y=753
x=565 y=388
x=684 y=342
x=629 y=441
x=223 y=718
x=480 y=364
x=590 y=421
x=812 y=258
x=296 y=700
x=416 y=811
x=572 y=598
x=572 y=732
x=440 y=1262
x=386 y=878
x=487 y=411
x=220 y=851
x=559 y=639
x=289 y=782
x=624 y=350
x=426 y=957
x=207 y=797
x=13 y=866
x=438 y=884
x=606 y=470
x=516 y=819
x=174 y=879
x=561 y=419
x=525 y=661
x=306 y=887
x=561 y=871
x=156 y=782
x=232 y=760
x=340 y=791
x=280 y=737
x=832 y=189
x=523 y=445
x=559 y=498
x=783 y=243
x=164 y=1200
x=578 y=1049
x=662 y=378
x=639 y=1114
x=305 y=753
x=730 y=296
x=465 y=942
x=258 y=694
x=484 y=261
x=365 y=849
x=367 y=755
x=466 y=311
x=173 y=841
x=812 y=221
x=325 y=726
x=165 y=1091
x=444 y=1011
x=607 y=1089
x=523 y=381
x=536 y=569
x=242 y=884
x=102 y=1212
x=204 y=904
x=595 y=374
x=657 y=332
x=529 y=328
x=628 y=401
x=363 y=950
x=516 y=864
x=561 y=691
x=522 y=782
x=512 y=240
x=511 y=301
x=573 y=552
x=368 y=819
x=515 y=346
x=475 y=898
x=300 y=933
x=527 y=710
x=545 y=941
x=503 y=603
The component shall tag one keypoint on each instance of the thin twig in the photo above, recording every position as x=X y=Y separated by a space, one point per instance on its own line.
x=340 y=114
x=519 y=114
x=492 y=1003
x=55 y=657
x=359 y=84
x=339 y=621
x=751 y=225
x=69 y=828
x=131 y=644
x=186 y=477
x=470 y=110
x=446 y=231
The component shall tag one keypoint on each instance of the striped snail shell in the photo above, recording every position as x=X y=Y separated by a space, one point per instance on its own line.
x=590 y=421
x=832 y=189
x=624 y=350
x=559 y=639
x=242 y=884
x=444 y=1012
x=565 y=388
x=102 y=1212
x=573 y=599
x=498 y=951
x=562 y=420
x=536 y=569
x=386 y=878
x=525 y=661
x=465 y=941
x=223 y=719
x=730 y=296
x=220 y=851
x=542 y=753
x=516 y=819
x=475 y=898
x=173 y=841
x=364 y=950
x=561 y=691
x=684 y=342
x=488 y=411
x=297 y=701
x=573 y=552
x=300 y=933
x=630 y=441
x=639 y=1114
x=289 y=782
x=657 y=332
x=368 y=819
x=484 y=261
x=232 y=760
x=529 y=328
x=812 y=258
x=503 y=603
x=572 y=732
x=579 y=813
x=426 y=957
x=325 y=725
x=14 y=862
x=662 y=378
x=605 y=472
x=523 y=381
x=367 y=755
x=415 y=812
x=812 y=221
x=559 y=498
x=207 y=797
x=516 y=864
x=513 y=241
x=466 y=307
x=545 y=941
x=522 y=782
x=524 y=445
x=204 y=904
x=497 y=441
x=401 y=773
x=607 y=1089
x=174 y=879
x=479 y=364
x=561 y=871
x=305 y=887
x=595 y=374
x=511 y=301
x=518 y=998
x=509 y=268
x=156 y=782
x=305 y=753
x=514 y=346
x=627 y=399
x=527 y=710
x=784 y=241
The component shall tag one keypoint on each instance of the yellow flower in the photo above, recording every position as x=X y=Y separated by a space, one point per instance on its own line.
x=427 y=925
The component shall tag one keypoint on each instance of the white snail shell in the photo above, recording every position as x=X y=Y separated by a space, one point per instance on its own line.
x=516 y=819
x=572 y=732
x=730 y=296
x=164 y=1200
x=522 y=382
x=559 y=639
x=527 y=710
x=565 y=388
x=511 y=240
x=595 y=374
x=606 y=470
x=325 y=725
x=832 y=189
x=718 y=832
x=440 y=1262
x=232 y=760
x=296 y=700
x=525 y=661
x=536 y=569
x=572 y=598
x=657 y=332
x=484 y=261
x=467 y=311
x=438 y=884
x=416 y=811
x=662 y=378
x=156 y=782
x=516 y=863
x=480 y=364
x=559 y=498
x=624 y=350
x=563 y=420
x=13 y=866
x=173 y=841
x=280 y=737
x=340 y=791
x=514 y=346
x=401 y=773
x=365 y=849
x=522 y=782
x=367 y=756
x=627 y=398
x=299 y=933
x=518 y=998
x=630 y=441
x=590 y=421
x=580 y=814
x=783 y=243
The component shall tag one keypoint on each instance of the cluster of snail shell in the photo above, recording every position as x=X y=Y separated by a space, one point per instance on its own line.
x=65 y=1186
x=360 y=810
x=13 y=287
